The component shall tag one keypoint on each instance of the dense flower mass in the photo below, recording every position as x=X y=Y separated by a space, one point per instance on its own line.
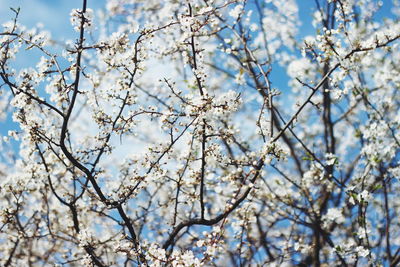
x=203 y=133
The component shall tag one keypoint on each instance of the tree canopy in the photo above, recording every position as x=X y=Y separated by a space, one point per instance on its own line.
x=203 y=133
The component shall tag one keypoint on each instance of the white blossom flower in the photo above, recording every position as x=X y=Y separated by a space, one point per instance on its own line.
x=236 y=11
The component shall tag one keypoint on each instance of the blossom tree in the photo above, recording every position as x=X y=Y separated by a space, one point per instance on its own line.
x=163 y=135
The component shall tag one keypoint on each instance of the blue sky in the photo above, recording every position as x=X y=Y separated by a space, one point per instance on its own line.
x=54 y=14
